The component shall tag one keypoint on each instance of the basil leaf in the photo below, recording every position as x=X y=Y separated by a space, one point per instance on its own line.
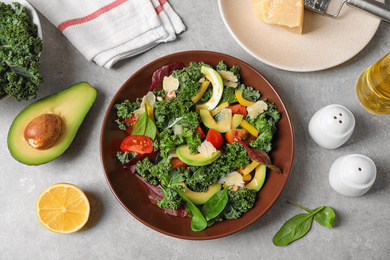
x=295 y=228
x=198 y=222
x=215 y=205
x=140 y=126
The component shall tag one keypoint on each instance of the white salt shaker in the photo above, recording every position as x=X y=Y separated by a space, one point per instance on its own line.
x=331 y=126
x=352 y=175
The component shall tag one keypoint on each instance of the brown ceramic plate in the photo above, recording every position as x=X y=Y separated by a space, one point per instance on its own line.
x=132 y=193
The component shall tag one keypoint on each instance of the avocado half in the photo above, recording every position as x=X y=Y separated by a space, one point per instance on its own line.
x=71 y=105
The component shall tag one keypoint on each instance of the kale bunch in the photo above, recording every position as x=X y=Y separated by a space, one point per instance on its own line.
x=19 y=53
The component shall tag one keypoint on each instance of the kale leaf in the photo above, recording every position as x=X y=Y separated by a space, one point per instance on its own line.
x=239 y=202
x=266 y=124
x=19 y=53
x=125 y=110
x=172 y=199
x=200 y=178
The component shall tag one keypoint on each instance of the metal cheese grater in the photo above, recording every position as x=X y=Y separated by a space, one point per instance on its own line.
x=376 y=8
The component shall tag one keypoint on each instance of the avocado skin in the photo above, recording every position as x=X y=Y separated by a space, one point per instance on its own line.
x=71 y=104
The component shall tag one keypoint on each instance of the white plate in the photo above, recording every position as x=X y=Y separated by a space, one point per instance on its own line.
x=326 y=42
x=35 y=20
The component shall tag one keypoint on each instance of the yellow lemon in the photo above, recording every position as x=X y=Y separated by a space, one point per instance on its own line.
x=63 y=208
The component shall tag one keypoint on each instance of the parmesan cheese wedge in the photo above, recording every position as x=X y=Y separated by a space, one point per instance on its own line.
x=286 y=13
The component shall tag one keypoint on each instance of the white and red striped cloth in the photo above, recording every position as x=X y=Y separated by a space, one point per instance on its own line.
x=106 y=31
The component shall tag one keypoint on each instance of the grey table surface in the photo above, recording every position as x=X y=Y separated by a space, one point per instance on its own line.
x=361 y=228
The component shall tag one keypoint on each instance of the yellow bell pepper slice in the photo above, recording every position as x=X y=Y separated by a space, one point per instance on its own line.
x=241 y=100
x=247 y=177
x=202 y=90
x=219 y=108
x=250 y=128
x=250 y=167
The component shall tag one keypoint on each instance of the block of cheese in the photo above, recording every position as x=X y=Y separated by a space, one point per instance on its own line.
x=286 y=13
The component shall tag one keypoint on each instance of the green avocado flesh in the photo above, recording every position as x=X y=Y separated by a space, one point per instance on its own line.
x=197 y=159
x=258 y=180
x=71 y=105
x=199 y=198
x=209 y=121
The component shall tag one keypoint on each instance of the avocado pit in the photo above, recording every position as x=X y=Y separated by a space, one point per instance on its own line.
x=43 y=131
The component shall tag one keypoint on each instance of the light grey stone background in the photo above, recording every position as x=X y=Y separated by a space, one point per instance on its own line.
x=362 y=227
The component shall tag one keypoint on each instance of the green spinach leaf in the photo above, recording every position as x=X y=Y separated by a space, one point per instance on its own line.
x=198 y=222
x=215 y=205
x=295 y=228
x=325 y=217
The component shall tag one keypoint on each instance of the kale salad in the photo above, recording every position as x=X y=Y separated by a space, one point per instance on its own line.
x=199 y=140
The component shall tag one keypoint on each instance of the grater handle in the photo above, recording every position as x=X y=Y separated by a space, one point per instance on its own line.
x=374 y=7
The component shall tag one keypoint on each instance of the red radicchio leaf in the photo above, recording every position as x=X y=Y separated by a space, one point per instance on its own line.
x=259 y=156
x=166 y=70
x=132 y=164
x=156 y=194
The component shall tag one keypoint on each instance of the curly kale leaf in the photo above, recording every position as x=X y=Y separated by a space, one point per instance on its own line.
x=19 y=53
x=160 y=170
x=249 y=93
x=189 y=81
x=169 y=140
x=266 y=124
x=200 y=178
x=172 y=199
x=170 y=112
x=125 y=110
x=239 y=202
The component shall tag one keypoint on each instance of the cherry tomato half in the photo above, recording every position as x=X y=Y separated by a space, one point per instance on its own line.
x=215 y=138
x=176 y=162
x=138 y=144
x=240 y=133
x=131 y=122
x=238 y=109
x=200 y=131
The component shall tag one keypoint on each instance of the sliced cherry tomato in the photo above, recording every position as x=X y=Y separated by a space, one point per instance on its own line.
x=170 y=94
x=238 y=109
x=131 y=122
x=176 y=162
x=215 y=138
x=240 y=133
x=200 y=131
x=138 y=144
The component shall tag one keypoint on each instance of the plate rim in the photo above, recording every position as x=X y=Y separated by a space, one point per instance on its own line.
x=216 y=236
x=278 y=66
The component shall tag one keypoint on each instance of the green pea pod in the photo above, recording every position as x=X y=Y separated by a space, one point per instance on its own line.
x=295 y=228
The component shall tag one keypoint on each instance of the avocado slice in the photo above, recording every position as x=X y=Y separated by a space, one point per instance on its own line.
x=209 y=121
x=258 y=180
x=217 y=82
x=236 y=120
x=199 y=198
x=197 y=159
x=71 y=105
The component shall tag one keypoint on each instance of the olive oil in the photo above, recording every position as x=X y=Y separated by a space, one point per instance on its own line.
x=373 y=86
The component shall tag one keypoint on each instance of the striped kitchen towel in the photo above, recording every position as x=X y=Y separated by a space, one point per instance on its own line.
x=106 y=31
